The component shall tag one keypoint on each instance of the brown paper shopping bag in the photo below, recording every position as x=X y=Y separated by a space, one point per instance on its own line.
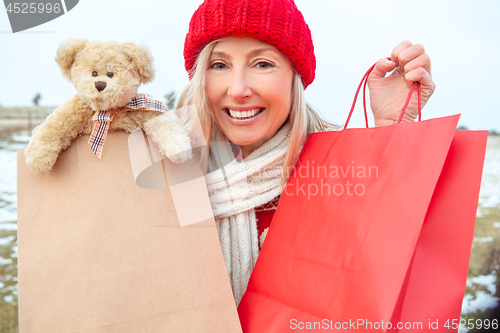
x=97 y=253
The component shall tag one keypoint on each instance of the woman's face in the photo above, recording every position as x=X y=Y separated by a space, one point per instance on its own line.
x=249 y=88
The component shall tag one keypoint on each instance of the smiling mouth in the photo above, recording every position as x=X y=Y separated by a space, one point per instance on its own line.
x=243 y=114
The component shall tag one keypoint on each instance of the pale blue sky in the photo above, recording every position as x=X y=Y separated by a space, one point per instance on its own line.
x=462 y=38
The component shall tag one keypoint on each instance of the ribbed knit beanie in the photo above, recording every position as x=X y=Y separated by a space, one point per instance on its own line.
x=277 y=22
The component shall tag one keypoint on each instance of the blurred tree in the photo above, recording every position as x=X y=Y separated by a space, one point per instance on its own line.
x=493 y=132
x=170 y=98
x=37 y=99
x=462 y=128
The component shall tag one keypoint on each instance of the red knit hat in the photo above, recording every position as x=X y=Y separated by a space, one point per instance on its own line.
x=277 y=22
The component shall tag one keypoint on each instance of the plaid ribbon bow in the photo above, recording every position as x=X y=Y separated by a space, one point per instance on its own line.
x=102 y=119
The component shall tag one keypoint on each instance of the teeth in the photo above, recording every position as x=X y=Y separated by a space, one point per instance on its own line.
x=243 y=114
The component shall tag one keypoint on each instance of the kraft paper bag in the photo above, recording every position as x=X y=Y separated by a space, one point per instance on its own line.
x=345 y=230
x=98 y=253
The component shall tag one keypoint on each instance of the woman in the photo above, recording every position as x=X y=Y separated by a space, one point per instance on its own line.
x=249 y=63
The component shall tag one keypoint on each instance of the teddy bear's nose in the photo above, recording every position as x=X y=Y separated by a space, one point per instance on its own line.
x=100 y=85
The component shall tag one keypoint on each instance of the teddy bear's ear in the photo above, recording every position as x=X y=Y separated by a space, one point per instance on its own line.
x=66 y=54
x=141 y=57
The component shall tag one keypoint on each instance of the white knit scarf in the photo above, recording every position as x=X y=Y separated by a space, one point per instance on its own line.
x=235 y=190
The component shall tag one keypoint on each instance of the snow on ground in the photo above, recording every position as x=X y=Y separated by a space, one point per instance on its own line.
x=8 y=179
x=483 y=300
x=489 y=195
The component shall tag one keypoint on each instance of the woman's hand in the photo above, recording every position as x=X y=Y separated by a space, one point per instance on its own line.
x=409 y=63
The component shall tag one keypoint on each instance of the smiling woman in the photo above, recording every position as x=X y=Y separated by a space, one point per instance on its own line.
x=249 y=62
x=249 y=88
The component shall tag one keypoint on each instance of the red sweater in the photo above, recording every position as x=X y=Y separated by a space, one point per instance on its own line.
x=264 y=215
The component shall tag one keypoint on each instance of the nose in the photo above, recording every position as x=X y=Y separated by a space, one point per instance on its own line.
x=239 y=87
x=100 y=85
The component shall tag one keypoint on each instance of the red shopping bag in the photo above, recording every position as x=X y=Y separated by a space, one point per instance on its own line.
x=435 y=282
x=348 y=223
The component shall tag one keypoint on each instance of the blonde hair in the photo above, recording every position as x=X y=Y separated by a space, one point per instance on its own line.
x=193 y=104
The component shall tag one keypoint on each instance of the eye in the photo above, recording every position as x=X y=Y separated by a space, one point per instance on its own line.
x=110 y=75
x=94 y=74
x=264 y=64
x=218 y=66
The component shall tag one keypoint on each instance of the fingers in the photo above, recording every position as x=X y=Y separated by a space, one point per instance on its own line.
x=405 y=54
x=382 y=67
x=410 y=58
x=421 y=75
x=397 y=51
x=422 y=60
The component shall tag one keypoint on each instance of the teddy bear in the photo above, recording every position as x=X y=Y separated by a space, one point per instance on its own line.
x=106 y=76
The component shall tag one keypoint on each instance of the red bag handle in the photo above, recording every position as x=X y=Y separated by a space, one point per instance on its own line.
x=363 y=83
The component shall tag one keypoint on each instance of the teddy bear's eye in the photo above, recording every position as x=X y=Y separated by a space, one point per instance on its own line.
x=110 y=74
x=94 y=73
